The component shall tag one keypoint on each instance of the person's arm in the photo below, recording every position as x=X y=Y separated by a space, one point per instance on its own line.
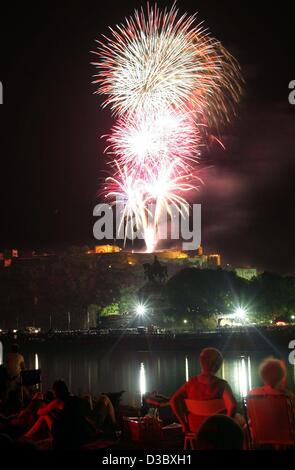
x=178 y=407
x=229 y=401
x=45 y=410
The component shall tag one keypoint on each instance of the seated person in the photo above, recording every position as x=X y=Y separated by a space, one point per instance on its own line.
x=103 y=414
x=219 y=432
x=273 y=374
x=72 y=427
x=29 y=415
x=49 y=412
x=15 y=362
x=205 y=386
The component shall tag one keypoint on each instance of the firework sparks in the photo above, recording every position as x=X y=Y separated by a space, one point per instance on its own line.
x=158 y=60
x=164 y=78
x=150 y=139
x=144 y=194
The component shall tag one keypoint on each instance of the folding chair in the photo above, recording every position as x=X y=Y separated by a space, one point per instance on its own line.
x=204 y=408
x=270 y=420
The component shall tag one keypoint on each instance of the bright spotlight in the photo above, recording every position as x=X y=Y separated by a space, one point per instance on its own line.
x=184 y=321
x=140 y=310
x=240 y=312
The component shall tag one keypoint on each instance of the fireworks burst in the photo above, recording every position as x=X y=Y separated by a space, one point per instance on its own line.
x=164 y=78
x=144 y=193
x=148 y=139
x=158 y=60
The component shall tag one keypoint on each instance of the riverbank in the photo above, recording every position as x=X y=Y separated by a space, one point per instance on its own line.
x=248 y=339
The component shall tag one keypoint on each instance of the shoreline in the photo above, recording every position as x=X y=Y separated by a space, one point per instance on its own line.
x=254 y=339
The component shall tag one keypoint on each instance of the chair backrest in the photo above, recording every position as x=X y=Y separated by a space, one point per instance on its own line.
x=270 y=419
x=205 y=407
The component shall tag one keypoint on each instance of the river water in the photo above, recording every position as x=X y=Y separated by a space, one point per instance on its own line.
x=94 y=371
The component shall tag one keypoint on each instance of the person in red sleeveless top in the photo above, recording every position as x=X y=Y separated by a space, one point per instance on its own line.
x=205 y=386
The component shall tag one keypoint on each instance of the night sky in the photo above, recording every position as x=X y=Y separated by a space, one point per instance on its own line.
x=50 y=127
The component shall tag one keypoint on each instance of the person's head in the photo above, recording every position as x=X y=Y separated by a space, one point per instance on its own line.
x=211 y=360
x=60 y=390
x=15 y=348
x=272 y=371
x=219 y=432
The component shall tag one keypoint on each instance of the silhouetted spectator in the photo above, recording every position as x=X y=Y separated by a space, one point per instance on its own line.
x=104 y=414
x=29 y=415
x=219 y=432
x=15 y=362
x=73 y=428
x=49 y=412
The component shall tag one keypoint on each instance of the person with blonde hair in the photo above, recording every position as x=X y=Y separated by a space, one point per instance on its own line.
x=274 y=376
x=205 y=386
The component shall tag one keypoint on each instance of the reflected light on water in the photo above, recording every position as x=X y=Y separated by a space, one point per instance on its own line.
x=222 y=371
x=36 y=361
x=142 y=380
x=186 y=369
x=243 y=375
x=137 y=373
x=249 y=374
x=1 y=353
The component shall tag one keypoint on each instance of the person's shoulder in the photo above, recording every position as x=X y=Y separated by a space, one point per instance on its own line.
x=193 y=380
x=189 y=383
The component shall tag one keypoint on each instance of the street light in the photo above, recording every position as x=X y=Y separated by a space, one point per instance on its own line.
x=140 y=310
x=240 y=312
x=185 y=321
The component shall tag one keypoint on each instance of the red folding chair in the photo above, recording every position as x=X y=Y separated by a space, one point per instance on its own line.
x=270 y=420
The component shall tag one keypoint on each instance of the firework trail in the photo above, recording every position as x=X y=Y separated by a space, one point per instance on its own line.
x=165 y=79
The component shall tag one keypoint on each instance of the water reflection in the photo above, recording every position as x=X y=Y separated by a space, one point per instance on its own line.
x=242 y=377
x=36 y=361
x=186 y=369
x=239 y=375
x=1 y=353
x=142 y=381
x=249 y=373
x=93 y=371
